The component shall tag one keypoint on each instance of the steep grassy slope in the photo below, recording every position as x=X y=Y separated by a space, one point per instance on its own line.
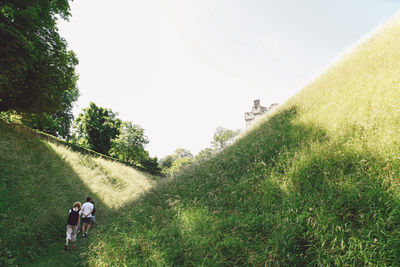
x=39 y=181
x=316 y=183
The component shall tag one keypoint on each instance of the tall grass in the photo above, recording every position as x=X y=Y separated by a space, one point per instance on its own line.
x=316 y=183
x=39 y=181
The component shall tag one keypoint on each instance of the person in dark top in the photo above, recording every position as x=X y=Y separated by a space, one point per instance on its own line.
x=73 y=223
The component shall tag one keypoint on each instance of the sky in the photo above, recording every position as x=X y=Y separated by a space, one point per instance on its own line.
x=182 y=68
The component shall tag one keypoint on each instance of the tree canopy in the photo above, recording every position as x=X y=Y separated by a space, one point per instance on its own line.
x=37 y=71
x=204 y=154
x=129 y=144
x=59 y=123
x=179 y=159
x=96 y=127
x=223 y=137
x=179 y=164
x=183 y=153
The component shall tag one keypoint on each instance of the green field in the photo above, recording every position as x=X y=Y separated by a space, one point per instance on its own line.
x=315 y=183
x=39 y=183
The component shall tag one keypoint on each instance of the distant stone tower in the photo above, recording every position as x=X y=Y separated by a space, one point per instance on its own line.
x=257 y=112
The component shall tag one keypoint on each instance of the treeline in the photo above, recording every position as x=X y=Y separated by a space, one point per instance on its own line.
x=37 y=71
x=181 y=158
x=96 y=129
x=100 y=129
x=38 y=85
x=38 y=88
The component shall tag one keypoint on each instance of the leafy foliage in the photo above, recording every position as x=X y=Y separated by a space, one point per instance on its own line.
x=205 y=154
x=179 y=164
x=223 y=137
x=174 y=162
x=129 y=144
x=96 y=127
x=183 y=153
x=59 y=123
x=182 y=157
x=99 y=129
x=36 y=69
x=151 y=165
x=166 y=162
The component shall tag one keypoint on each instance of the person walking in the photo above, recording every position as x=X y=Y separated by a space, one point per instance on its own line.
x=87 y=209
x=73 y=223
x=92 y=217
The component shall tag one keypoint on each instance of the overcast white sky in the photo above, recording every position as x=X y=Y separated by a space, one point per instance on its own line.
x=182 y=68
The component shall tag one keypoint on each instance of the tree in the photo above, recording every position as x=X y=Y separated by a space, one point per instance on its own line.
x=129 y=144
x=204 y=154
x=58 y=124
x=180 y=158
x=183 y=153
x=166 y=162
x=96 y=127
x=36 y=69
x=223 y=137
x=179 y=164
x=179 y=153
x=151 y=165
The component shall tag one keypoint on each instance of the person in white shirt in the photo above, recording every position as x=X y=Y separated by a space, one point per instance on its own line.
x=87 y=209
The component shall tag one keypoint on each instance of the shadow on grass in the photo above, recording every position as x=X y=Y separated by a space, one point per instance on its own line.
x=37 y=188
x=202 y=216
x=286 y=194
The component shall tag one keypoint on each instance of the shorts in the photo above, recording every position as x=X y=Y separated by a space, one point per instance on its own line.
x=86 y=220
x=71 y=232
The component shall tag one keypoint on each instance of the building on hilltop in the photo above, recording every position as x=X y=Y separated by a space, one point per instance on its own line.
x=257 y=112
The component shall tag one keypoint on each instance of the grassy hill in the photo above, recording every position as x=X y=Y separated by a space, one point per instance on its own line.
x=316 y=183
x=39 y=181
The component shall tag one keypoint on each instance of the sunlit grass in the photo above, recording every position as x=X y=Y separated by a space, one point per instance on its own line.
x=113 y=182
x=39 y=182
x=315 y=183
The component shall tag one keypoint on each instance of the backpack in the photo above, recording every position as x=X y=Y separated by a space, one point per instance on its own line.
x=73 y=217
